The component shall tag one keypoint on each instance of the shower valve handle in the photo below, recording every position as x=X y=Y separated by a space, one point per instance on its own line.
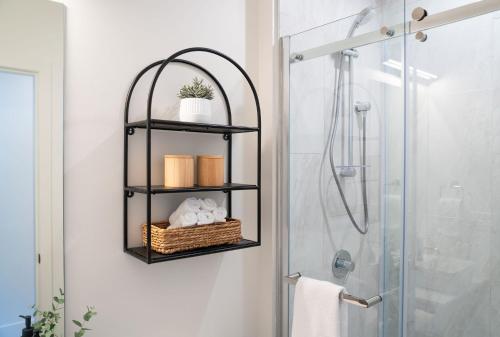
x=344 y=264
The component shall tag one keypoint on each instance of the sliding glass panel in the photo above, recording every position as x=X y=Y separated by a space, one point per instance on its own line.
x=17 y=220
x=453 y=283
x=433 y=6
x=358 y=95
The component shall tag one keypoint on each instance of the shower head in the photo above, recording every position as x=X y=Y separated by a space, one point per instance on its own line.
x=363 y=17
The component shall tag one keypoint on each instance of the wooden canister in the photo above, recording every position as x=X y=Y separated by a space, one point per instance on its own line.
x=210 y=170
x=179 y=171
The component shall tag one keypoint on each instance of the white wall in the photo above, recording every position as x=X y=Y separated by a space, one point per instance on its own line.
x=108 y=42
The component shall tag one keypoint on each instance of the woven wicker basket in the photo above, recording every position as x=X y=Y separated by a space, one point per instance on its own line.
x=171 y=240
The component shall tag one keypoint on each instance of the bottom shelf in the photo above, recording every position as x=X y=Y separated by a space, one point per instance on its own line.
x=142 y=254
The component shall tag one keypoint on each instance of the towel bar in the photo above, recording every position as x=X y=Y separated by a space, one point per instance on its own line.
x=344 y=296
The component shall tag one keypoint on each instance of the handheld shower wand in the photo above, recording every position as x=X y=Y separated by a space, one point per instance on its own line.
x=361 y=109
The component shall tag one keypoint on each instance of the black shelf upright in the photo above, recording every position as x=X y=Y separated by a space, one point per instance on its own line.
x=145 y=253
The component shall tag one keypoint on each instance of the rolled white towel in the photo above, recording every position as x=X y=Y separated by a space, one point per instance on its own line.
x=173 y=220
x=188 y=219
x=208 y=204
x=205 y=218
x=189 y=205
x=220 y=214
x=183 y=219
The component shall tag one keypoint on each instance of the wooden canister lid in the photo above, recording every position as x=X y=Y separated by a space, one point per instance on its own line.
x=181 y=156
x=210 y=156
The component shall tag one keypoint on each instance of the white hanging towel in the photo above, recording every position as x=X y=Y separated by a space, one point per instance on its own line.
x=318 y=310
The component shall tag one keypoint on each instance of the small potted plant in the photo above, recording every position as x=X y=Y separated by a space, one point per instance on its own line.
x=195 y=102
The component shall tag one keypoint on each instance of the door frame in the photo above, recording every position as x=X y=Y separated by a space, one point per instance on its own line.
x=282 y=228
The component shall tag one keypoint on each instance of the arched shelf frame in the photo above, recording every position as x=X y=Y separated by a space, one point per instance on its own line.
x=181 y=61
x=174 y=56
x=130 y=129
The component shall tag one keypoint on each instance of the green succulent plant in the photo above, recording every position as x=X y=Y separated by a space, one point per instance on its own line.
x=196 y=90
x=47 y=321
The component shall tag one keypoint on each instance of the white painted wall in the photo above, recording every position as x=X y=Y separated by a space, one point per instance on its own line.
x=108 y=42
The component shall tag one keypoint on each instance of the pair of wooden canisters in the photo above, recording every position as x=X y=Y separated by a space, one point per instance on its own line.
x=179 y=170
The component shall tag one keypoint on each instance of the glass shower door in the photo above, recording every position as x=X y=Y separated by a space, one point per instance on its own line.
x=366 y=103
x=431 y=133
x=453 y=260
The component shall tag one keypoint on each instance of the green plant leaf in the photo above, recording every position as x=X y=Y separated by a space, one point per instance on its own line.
x=77 y=323
x=79 y=333
x=87 y=316
x=196 y=90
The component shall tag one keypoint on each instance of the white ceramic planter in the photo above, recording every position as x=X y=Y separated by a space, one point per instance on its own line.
x=196 y=110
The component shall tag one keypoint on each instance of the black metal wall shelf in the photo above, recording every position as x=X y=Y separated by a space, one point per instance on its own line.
x=142 y=253
x=157 y=189
x=157 y=124
x=145 y=253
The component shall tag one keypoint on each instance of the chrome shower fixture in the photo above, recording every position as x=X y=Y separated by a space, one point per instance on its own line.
x=348 y=170
x=362 y=107
x=342 y=264
x=344 y=63
x=350 y=53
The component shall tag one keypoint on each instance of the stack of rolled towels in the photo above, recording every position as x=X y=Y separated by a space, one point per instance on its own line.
x=193 y=211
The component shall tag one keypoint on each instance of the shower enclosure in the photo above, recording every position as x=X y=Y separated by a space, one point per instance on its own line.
x=390 y=166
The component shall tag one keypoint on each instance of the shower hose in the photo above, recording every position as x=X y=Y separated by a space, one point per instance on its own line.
x=328 y=151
